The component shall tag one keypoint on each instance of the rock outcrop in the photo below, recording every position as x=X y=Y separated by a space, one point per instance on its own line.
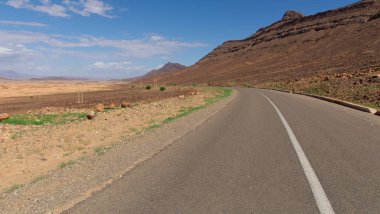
x=291 y=15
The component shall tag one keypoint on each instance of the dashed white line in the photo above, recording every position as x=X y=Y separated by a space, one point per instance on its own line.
x=320 y=197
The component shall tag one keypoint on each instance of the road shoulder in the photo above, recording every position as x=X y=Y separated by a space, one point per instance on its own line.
x=73 y=184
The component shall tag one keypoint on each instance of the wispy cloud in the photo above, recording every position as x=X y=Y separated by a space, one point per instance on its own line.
x=81 y=7
x=18 y=23
x=86 y=52
x=144 y=47
x=88 y=7
x=45 y=6
x=117 y=66
x=5 y=51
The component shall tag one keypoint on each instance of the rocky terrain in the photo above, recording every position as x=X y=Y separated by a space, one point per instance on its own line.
x=297 y=46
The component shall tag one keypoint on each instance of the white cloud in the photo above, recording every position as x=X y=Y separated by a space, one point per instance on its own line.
x=144 y=47
x=120 y=69
x=45 y=7
x=19 y=23
x=5 y=51
x=81 y=7
x=88 y=7
x=156 y=38
x=85 y=53
x=112 y=65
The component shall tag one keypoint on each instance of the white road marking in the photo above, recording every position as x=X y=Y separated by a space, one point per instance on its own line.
x=320 y=197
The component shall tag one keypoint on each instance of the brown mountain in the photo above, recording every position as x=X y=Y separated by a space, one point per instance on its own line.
x=164 y=70
x=346 y=39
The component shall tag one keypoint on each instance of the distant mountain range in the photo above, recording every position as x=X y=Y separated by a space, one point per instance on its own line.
x=12 y=75
x=59 y=78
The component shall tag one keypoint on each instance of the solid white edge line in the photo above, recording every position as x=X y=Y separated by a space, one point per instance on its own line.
x=320 y=197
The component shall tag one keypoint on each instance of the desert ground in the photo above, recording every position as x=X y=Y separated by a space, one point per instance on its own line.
x=31 y=147
x=23 y=96
x=10 y=88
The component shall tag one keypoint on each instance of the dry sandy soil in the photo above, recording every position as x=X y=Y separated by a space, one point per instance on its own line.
x=28 y=152
x=24 y=96
x=9 y=88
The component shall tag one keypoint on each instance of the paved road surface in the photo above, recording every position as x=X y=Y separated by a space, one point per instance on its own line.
x=243 y=160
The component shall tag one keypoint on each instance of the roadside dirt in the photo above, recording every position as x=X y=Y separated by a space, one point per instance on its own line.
x=357 y=87
x=63 y=188
x=27 y=152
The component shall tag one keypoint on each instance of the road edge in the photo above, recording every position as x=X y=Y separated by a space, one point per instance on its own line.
x=355 y=106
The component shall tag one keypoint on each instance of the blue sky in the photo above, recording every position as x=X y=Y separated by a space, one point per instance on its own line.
x=108 y=39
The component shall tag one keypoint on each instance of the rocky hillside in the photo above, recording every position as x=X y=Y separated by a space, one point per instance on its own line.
x=343 y=40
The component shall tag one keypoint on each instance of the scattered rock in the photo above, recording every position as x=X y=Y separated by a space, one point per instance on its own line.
x=374 y=79
x=4 y=116
x=99 y=107
x=91 y=115
x=181 y=97
x=111 y=106
x=125 y=104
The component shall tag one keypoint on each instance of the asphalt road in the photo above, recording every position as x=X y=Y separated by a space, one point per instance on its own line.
x=315 y=157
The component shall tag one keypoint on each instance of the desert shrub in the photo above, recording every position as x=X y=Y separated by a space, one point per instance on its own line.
x=162 y=88
x=148 y=87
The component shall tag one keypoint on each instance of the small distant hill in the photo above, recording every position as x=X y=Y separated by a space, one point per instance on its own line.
x=12 y=75
x=58 y=78
x=167 y=69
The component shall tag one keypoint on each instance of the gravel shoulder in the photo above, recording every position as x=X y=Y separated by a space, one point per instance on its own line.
x=66 y=187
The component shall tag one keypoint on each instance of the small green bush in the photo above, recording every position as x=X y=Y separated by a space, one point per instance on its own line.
x=148 y=87
x=13 y=188
x=162 y=88
x=100 y=150
x=68 y=163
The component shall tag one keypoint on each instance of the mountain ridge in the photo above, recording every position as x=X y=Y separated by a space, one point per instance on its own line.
x=297 y=46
